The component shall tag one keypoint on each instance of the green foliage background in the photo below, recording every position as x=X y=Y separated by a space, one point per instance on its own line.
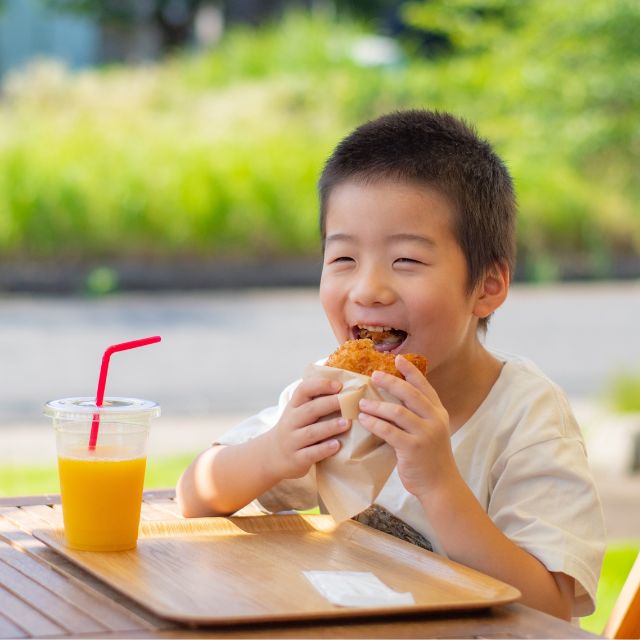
x=216 y=154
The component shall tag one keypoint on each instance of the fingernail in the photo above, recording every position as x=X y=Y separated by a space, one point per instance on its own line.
x=365 y=404
x=342 y=423
x=377 y=376
x=364 y=417
x=335 y=385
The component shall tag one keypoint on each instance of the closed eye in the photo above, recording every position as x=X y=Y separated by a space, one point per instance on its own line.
x=408 y=261
x=342 y=259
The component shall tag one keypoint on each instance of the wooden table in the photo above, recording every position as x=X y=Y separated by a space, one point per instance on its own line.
x=43 y=595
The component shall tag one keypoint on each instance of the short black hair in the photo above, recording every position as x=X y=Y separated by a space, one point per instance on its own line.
x=440 y=151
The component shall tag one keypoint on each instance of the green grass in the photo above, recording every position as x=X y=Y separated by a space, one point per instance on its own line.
x=624 y=392
x=618 y=561
x=22 y=480
x=163 y=472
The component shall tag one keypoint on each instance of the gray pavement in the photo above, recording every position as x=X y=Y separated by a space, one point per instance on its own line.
x=233 y=352
x=225 y=355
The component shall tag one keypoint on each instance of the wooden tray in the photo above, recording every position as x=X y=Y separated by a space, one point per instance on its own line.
x=249 y=569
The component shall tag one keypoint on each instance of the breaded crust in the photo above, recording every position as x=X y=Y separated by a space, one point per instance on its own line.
x=360 y=356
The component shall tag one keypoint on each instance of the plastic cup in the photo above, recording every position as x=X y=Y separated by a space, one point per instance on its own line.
x=101 y=488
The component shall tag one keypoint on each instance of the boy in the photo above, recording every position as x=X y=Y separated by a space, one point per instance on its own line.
x=417 y=218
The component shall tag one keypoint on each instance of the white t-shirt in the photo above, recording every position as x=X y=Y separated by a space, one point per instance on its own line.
x=523 y=457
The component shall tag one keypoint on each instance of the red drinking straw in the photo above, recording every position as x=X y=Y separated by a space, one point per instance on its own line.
x=102 y=380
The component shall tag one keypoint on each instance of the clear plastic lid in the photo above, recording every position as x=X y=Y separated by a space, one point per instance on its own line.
x=81 y=408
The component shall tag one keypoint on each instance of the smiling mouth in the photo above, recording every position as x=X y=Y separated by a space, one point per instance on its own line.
x=384 y=338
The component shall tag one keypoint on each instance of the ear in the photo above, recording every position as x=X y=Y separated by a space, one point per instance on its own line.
x=492 y=290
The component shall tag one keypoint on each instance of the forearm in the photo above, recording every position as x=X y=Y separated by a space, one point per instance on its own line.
x=470 y=537
x=223 y=479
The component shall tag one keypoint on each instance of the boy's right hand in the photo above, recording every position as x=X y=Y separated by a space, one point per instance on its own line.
x=304 y=433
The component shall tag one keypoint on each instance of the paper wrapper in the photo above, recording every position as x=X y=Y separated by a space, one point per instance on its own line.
x=350 y=480
x=356 y=589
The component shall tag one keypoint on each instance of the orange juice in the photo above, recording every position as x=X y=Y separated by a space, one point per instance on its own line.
x=101 y=499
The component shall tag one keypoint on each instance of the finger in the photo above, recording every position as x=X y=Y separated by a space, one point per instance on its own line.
x=320 y=451
x=412 y=374
x=316 y=410
x=320 y=431
x=312 y=388
x=395 y=414
x=413 y=398
x=415 y=377
x=383 y=429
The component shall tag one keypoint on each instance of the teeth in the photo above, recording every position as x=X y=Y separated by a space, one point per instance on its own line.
x=374 y=329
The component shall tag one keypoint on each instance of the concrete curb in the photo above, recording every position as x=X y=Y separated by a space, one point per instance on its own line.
x=184 y=276
x=190 y=275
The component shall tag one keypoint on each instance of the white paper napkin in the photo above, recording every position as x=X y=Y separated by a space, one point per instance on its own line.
x=356 y=589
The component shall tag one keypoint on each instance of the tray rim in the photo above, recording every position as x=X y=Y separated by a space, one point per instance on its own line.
x=508 y=593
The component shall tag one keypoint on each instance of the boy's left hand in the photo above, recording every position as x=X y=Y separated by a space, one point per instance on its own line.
x=418 y=428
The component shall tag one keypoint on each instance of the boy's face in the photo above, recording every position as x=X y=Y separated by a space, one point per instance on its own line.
x=391 y=260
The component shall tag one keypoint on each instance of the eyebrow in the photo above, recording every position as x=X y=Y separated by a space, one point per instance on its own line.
x=396 y=237
x=413 y=237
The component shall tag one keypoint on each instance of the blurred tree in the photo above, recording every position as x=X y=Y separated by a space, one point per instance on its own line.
x=259 y=12
x=173 y=19
x=232 y=137
x=574 y=69
x=469 y=25
x=387 y=16
x=582 y=57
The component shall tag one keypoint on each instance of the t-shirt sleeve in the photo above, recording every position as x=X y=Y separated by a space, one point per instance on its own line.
x=545 y=501
x=298 y=493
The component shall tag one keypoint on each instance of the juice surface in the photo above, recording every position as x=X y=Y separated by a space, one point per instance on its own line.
x=101 y=500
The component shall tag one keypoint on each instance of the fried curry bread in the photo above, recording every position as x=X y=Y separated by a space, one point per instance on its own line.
x=360 y=356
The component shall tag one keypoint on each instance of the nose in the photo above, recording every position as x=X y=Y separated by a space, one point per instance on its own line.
x=371 y=287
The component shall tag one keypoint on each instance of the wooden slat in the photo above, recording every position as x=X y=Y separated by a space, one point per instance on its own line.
x=10 y=630
x=27 y=617
x=14 y=533
x=511 y=621
x=19 y=538
x=15 y=528
x=151 y=495
x=23 y=501
x=31 y=517
x=48 y=499
x=113 y=616
x=23 y=518
x=52 y=515
x=141 y=617
x=169 y=507
x=47 y=602
x=150 y=513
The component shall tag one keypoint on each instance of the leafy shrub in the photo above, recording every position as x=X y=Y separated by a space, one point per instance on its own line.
x=217 y=154
x=624 y=392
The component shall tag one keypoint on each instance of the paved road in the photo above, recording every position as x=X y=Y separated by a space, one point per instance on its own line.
x=229 y=353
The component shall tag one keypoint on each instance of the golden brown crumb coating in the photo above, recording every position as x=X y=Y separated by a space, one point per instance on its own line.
x=360 y=356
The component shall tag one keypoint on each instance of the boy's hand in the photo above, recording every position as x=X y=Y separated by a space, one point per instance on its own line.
x=418 y=428
x=304 y=433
